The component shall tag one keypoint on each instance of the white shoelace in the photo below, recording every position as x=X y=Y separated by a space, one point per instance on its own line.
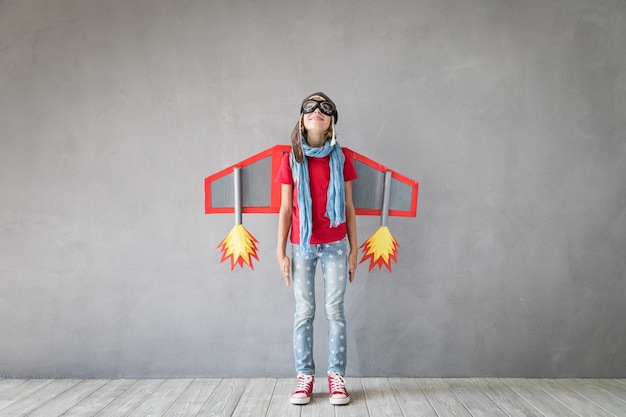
x=338 y=384
x=304 y=382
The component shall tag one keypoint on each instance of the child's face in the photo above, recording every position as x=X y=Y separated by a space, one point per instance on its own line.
x=316 y=121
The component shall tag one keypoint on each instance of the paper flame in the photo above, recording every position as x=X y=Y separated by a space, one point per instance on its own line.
x=239 y=246
x=380 y=249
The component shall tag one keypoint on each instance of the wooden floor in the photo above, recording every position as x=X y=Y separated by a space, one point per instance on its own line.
x=270 y=397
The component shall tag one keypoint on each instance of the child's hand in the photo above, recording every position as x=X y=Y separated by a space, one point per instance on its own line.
x=352 y=264
x=284 y=268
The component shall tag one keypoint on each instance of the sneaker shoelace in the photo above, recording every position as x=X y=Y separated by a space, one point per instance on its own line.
x=304 y=383
x=337 y=384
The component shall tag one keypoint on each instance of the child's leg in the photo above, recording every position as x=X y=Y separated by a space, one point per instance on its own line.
x=303 y=274
x=335 y=267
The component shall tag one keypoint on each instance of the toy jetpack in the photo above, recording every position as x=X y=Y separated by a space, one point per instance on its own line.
x=249 y=187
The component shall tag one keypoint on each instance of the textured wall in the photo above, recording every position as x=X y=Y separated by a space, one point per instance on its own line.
x=510 y=114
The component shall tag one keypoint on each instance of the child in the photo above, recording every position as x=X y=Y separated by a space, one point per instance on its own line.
x=316 y=204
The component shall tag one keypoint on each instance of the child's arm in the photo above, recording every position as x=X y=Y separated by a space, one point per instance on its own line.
x=284 y=224
x=351 y=226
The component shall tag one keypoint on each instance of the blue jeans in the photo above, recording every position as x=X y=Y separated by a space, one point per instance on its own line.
x=334 y=261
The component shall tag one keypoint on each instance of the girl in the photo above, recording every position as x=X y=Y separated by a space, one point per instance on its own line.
x=316 y=204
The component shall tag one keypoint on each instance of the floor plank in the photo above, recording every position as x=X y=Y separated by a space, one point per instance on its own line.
x=571 y=399
x=595 y=393
x=280 y=406
x=442 y=399
x=38 y=398
x=66 y=400
x=474 y=399
x=380 y=397
x=131 y=398
x=620 y=382
x=506 y=398
x=224 y=398
x=8 y=384
x=20 y=389
x=411 y=398
x=256 y=398
x=538 y=398
x=614 y=386
x=93 y=404
x=358 y=403
x=159 y=401
x=191 y=401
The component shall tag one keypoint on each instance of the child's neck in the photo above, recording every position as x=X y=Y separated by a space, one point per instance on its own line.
x=315 y=140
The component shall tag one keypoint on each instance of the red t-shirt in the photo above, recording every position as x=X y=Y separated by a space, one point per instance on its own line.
x=319 y=178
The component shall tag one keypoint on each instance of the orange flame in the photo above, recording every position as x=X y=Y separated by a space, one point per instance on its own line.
x=239 y=246
x=380 y=249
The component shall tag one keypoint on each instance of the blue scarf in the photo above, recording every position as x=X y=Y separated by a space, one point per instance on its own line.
x=336 y=202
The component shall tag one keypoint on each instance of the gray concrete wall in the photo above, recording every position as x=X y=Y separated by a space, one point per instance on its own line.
x=509 y=113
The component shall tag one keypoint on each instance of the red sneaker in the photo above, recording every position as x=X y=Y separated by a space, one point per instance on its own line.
x=304 y=390
x=337 y=389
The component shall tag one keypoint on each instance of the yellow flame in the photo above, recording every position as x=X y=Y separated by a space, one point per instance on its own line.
x=380 y=249
x=239 y=246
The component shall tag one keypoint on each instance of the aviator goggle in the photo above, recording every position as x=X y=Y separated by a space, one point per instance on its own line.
x=325 y=107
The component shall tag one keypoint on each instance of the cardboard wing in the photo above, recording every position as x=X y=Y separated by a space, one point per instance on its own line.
x=260 y=194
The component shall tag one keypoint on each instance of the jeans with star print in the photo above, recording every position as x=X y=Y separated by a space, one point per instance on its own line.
x=334 y=261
